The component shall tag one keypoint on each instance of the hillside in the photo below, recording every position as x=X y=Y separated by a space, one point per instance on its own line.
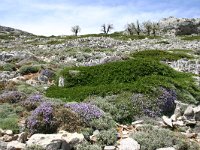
x=96 y=91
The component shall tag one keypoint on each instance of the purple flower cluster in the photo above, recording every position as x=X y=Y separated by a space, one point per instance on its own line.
x=48 y=73
x=12 y=97
x=32 y=102
x=86 y=111
x=41 y=119
x=166 y=101
x=164 y=104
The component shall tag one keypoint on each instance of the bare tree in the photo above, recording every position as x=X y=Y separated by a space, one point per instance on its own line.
x=155 y=28
x=130 y=28
x=76 y=29
x=137 y=29
x=106 y=28
x=133 y=28
x=147 y=26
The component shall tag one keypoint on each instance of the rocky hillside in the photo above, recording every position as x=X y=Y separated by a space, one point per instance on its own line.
x=11 y=31
x=99 y=92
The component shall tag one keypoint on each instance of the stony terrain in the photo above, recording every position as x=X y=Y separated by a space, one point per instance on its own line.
x=131 y=117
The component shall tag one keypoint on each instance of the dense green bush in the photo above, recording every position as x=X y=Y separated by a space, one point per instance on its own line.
x=28 y=69
x=142 y=74
x=150 y=137
x=9 y=67
x=161 y=55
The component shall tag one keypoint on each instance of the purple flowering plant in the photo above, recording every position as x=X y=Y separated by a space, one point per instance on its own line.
x=42 y=119
x=86 y=111
x=164 y=104
x=32 y=101
x=12 y=97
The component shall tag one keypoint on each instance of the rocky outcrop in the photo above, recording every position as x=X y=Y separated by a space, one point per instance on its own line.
x=180 y=26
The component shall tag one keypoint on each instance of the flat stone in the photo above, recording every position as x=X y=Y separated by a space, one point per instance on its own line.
x=167 y=121
x=9 y=132
x=197 y=113
x=189 y=113
x=137 y=122
x=109 y=148
x=129 y=144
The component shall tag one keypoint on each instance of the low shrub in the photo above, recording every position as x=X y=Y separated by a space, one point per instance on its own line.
x=150 y=137
x=32 y=102
x=28 y=69
x=9 y=67
x=12 y=97
x=9 y=116
x=107 y=137
x=87 y=146
x=68 y=120
x=42 y=119
x=86 y=111
x=103 y=123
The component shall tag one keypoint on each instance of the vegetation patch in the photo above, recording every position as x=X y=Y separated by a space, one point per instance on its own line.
x=191 y=38
x=9 y=116
x=144 y=73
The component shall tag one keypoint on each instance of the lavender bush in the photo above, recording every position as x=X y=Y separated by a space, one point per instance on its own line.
x=86 y=111
x=166 y=101
x=42 y=119
x=32 y=101
x=164 y=104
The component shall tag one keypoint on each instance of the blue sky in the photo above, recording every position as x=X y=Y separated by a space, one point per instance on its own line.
x=56 y=17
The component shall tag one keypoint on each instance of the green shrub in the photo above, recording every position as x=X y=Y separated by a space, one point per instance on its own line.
x=191 y=38
x=104 y=123
x=107 y=137
x=9 y=67
x=161 y=55
x=28 y=69
x=150 y=137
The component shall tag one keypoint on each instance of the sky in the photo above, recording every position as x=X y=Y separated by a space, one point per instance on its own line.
x=56 y=17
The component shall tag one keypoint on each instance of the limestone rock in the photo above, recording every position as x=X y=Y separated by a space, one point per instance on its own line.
x=167 y=121
x=129 y=144
x=15 y=145
x=62 y=139
x=189 y=113
x=197 y=113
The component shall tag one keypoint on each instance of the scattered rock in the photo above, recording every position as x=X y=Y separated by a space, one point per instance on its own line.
x=109 y=148
x=129 y=144
x=7 y=138
x=167 y=121
x=189 y=113
x=137 y=122
x=197 y=113
x=22 y=137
